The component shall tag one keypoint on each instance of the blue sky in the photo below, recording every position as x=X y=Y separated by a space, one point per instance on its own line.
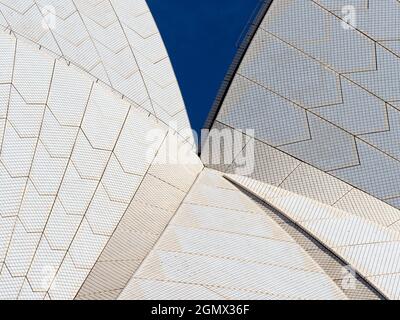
x=201 y=37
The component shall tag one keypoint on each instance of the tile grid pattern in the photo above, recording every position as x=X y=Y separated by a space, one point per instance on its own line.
x=326 y=259
x=303 y=88
x=282 y=170
x=67 y=178
x=156 y=201
x=86 y=212
x=358 y=241
x=219 y=249
x=116 y=41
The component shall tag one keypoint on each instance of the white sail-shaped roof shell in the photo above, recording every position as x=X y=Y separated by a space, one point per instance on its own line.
x=97 y=202
x=116 y=41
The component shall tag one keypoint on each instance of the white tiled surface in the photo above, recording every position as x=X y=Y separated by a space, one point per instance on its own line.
x=195 y=254
x=370 y=248
x=324 y=93
x=157 y=199
x=116 y=41
x=80 y=181
x=72 y=158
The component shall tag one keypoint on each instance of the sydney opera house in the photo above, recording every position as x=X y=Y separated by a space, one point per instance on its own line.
x=294 y=195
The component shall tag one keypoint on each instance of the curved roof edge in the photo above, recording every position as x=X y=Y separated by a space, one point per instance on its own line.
x=212 y=115
x=122 y=49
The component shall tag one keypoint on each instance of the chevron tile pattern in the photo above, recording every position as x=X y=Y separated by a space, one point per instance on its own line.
x=116 y=41
x=221 y=245
x=357 y=240
x=73 y=156
x=96 y=203
x=325 y=92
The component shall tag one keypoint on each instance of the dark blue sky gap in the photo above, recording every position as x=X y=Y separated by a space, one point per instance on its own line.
x=201 y=37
